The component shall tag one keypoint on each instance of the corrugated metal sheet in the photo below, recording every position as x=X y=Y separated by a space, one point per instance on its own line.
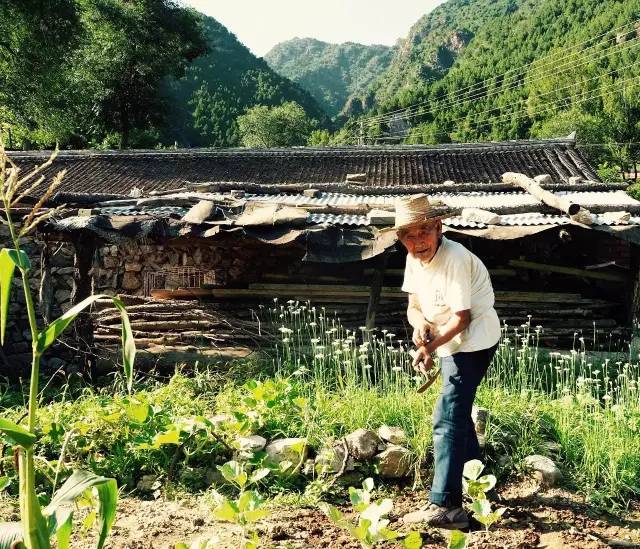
x=486 y=200
x=338 y=219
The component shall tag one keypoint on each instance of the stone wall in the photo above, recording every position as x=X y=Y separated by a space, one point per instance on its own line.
x=51 y=299
x=122 y=269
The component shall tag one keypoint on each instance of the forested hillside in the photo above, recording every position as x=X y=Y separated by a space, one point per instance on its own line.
x=331 y=73
x=137 y=73
x=220 y=85
x=506 y=69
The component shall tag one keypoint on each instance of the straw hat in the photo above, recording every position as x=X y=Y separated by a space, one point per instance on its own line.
x=416 y=210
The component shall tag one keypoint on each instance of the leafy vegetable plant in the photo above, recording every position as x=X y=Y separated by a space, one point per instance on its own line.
x=37 y=524
x=476 y=486
x=371 y=527
x=247 y=508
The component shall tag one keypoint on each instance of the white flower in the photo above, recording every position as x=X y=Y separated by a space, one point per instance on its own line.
x=397 y=369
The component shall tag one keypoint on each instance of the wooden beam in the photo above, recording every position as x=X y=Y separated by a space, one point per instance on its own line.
x=547 y=197
x=583 y=273
x=376 y=290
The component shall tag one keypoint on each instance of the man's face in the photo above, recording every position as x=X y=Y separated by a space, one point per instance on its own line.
x=421 y=241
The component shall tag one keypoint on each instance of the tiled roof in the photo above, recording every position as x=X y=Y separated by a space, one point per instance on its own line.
x=118 y=172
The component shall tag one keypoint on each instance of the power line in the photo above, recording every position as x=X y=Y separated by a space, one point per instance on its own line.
x=554 y=91
x=520 y=112
x=599 y=55
x=518 y=70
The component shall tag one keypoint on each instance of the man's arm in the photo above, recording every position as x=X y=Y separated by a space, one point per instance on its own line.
x=420 y=325
x=458 y=322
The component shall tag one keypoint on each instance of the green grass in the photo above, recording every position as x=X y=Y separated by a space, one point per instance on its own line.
x=323 y=382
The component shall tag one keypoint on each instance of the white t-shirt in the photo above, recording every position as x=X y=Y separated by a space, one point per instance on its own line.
x=455 y=280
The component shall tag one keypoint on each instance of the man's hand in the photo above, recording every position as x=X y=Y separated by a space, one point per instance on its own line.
x=421 y=334
x=422 y=361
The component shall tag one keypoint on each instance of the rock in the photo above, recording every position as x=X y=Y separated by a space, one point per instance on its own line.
x=551 y=447
x=62 y=295
x=148 y=483
x=394 y=435
x=309 y=468
x=394 y=462
x=55 y=363
x=479 y=417
x=253 y=443
x=362 y=444
x=294 y=450
x=544 y=470
x=331 y=458
x=213 y=476
x=130 y=281
x=220 y=419
x=132 y=267
x=65 y=270
x=352 y=478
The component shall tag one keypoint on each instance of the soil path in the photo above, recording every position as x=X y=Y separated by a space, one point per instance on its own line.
x=552 y=519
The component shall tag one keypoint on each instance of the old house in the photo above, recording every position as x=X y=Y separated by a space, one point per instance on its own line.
x=196 y=234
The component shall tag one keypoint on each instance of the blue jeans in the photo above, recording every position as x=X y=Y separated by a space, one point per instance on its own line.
x=454 y=435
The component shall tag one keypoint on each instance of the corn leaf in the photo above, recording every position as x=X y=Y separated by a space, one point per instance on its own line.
x=9 y=260
x=10 y=533
x=128 y=343
x=74 y=488
x=107 y=504
x=61 y=524
x=47 y=337
x=16 y=434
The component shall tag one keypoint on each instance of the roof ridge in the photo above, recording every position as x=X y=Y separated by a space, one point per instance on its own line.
x=361 y=150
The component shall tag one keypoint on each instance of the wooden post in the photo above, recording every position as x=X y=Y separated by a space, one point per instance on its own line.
x=85 y=246
x=376 y=287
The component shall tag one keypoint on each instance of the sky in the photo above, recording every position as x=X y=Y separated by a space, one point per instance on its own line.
x=261 y=24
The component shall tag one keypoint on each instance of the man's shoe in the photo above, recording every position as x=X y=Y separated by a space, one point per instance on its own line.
x=450 y=518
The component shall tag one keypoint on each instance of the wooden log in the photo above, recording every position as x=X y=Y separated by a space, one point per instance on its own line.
x=573 y=271
x=547 y=197
x=344 y=294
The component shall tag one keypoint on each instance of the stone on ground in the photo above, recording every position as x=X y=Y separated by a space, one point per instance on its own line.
x=363 y=444
x=294 y=450
x=394 y=435
x=253 y=443
x=394 y=462
x=331 y=458
x=544 y=470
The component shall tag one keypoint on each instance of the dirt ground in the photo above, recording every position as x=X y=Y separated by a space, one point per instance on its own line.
x=552 y=519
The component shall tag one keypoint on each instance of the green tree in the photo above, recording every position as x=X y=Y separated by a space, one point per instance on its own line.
x=282 y=126
x=131 y=47
x=36 y=39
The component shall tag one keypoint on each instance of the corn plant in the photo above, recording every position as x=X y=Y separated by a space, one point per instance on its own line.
x=371 y=527
x=247 y=508
x=37 y=524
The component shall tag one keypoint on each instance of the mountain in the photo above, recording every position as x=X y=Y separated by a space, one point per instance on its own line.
x=221 y=85
x=331 y=73
x=508 y=69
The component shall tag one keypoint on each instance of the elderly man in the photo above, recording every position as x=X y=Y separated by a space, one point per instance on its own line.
x=451 y=311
